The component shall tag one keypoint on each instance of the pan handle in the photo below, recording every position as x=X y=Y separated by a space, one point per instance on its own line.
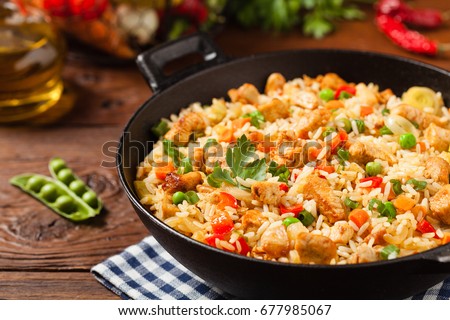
x=152 y=62
x=437 y=261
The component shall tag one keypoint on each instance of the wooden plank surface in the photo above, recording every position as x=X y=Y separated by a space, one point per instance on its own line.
x=45 y=256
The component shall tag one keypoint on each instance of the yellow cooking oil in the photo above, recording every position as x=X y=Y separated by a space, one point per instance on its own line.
x=31 y=59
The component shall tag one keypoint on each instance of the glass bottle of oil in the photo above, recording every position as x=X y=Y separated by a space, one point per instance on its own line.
x=31 y=59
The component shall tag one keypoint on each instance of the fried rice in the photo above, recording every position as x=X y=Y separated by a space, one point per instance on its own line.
x=312 y=170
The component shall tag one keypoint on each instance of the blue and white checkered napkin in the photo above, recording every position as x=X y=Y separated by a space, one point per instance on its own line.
x=147 y=271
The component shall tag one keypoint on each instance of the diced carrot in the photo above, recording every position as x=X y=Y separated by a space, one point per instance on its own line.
x=256 y=136
x=446 y=238
x=334 y=104
x=313 y=152
x=161 y=172
x=359 y=217
x=403 y=203
x=365 y=110
x=240 y=122
x=423 y=146
x=225 y=134
x=419 y=209
x=329 y=169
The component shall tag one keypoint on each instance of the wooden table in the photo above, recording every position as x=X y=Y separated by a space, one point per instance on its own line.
x=43 y=256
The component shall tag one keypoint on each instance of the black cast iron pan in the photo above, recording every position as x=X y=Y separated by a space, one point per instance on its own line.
x=250 y=278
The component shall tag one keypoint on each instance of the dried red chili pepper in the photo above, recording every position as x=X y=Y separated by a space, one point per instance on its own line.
x=407 y=39
x=424 y=18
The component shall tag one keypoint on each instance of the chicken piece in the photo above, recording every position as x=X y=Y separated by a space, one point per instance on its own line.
x=184 y=127
x=274 y=242
x=168 y=208
x=275 y=83
x=246 y=94
x=328 y=203
x=341 y=232
x=437 y=169
x=384 y=96
x=252 y=220
x=423 y=119
x=314 y=248
x=365 y=95
x=438 y=137
x=377 y=236
x=364 y=254
x=332 y=81
x=273 y=110
x=311 y=121
x=440 y=205
x=363 y=152
x=305 y=98
x=185 y=182
x=267 y=192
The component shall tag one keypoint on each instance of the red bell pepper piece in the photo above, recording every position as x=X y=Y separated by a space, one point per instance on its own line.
x=284 y=187
x=227 y=200
x=244 y=246
x=425 y=227
x=222 y=223
x=376 y=181
x=348 y=89
x=294 y=209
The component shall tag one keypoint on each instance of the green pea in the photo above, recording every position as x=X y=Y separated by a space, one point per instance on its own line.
x=178 y=197
x=90 y=198
x=65 y=204
x=66 y=176
x=326 y=94
x=407 y=141
x=78 y=187
x=49 y=192
x=57 y=164
x=290 y=220
x=35 y=184
x=373 y=168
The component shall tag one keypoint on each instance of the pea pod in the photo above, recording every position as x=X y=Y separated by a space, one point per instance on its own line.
x=55 y=195
x=59 y=170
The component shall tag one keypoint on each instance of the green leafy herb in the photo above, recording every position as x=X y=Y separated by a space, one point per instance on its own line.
x=279 y=171
x=185 y=166
x=172 y=151
x=218 y=176
x=317 y=16
x=385 y=112
x=256 y=118
x=243 y=162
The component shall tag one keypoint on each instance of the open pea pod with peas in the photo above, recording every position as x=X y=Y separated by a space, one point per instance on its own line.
x=54 y=194
x=59 y=170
